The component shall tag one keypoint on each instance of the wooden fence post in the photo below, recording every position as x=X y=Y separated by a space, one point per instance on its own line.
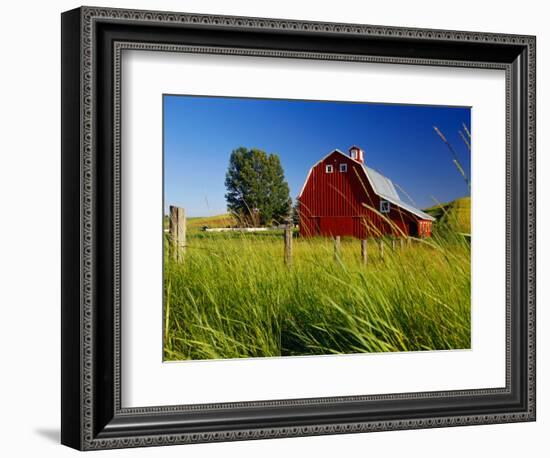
x=364 y=251
x=337 y=247
x=288 y=245
x=177 y=233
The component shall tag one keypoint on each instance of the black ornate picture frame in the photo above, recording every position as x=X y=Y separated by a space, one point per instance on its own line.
x=92 y=42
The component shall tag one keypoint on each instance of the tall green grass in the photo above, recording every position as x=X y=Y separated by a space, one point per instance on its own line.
x=233 y=297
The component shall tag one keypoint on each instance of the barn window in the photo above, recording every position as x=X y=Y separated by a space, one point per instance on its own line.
x=384 y=206
x=328 y=168
x=343 y=167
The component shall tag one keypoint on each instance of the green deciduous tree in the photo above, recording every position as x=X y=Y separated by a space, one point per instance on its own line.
x=257 y=192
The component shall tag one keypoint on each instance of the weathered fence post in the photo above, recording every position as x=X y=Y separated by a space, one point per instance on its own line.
x=381 y=245
x=337 y=247
x=177 y=233
x=288 y=245
x=364 y=251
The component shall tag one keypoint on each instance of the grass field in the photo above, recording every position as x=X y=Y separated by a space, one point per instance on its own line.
x=234 y=297
x=455 y=215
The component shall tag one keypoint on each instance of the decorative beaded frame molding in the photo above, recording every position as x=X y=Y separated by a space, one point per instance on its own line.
x=88 y=437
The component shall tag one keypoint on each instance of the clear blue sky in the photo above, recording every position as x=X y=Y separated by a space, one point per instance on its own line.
x=399 y=142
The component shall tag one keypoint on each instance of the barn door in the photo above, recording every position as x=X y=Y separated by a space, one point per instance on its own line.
x=336 y=225
x=317 y=225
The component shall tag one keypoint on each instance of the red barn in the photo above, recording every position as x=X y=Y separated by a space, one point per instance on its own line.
x=342 y=196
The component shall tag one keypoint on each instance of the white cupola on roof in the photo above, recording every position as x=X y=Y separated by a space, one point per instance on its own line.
x=356 y=153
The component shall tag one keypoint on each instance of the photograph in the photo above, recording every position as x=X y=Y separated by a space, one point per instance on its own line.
x=283 y=223
x=314 y=228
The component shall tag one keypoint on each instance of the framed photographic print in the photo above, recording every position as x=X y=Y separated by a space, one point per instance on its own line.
x=276 y=228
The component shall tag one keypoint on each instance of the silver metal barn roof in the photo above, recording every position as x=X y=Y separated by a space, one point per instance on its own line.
x=384 y=188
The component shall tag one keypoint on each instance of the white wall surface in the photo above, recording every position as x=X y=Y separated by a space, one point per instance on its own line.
x=30 y=228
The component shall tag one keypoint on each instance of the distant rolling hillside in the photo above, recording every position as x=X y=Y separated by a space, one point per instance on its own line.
x=224 y=220
x=195 y=223
x=455 y=214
